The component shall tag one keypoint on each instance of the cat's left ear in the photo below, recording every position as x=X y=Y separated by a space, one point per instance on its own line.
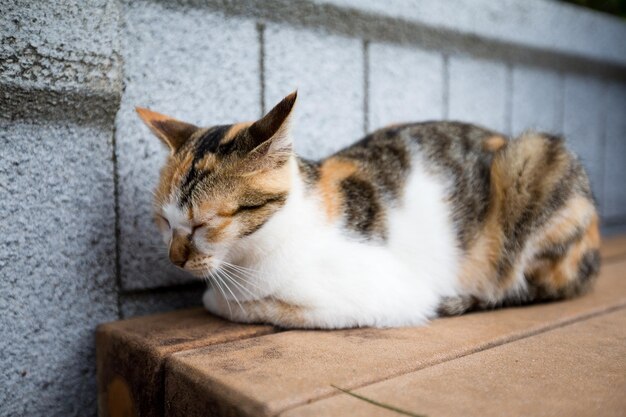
x=270 y=134
x=172 y=132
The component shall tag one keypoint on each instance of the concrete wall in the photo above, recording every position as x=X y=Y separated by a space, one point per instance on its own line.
x=77 y=166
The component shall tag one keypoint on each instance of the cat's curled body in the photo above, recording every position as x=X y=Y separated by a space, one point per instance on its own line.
x=412 y=221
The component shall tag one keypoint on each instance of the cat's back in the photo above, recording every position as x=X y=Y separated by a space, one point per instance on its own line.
x=519 y=211
x=377 y=172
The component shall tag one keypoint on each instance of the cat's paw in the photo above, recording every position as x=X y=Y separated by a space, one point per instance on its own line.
x=211 y=302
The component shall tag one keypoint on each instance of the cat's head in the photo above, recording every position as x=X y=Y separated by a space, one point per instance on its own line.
x=220 y=184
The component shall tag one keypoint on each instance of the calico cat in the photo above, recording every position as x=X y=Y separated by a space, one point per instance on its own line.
x=413 y=221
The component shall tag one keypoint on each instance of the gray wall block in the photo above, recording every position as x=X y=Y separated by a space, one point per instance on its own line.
x=57 y=265
x=537 y=100
x=539 y=24
x=64 y=44
x=405 y=85
x=327 y=70
x=478 y=92
x=615 y=154
x=584 y=115
x=193 y=65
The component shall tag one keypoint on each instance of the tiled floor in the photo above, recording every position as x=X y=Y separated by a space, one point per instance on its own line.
x=566 y=358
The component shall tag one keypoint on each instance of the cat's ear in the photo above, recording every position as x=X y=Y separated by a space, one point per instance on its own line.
x=271 y=132
x=172 y=132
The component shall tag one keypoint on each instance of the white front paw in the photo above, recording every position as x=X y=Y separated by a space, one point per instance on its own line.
x=211 y=301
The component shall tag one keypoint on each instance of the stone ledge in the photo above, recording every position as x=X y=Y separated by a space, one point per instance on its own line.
x=131 y=355
x=189 y=363
x=575 y=370
x=614 y=248
x=269 y=375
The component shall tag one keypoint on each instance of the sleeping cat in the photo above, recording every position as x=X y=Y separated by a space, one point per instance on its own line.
x=411 y=222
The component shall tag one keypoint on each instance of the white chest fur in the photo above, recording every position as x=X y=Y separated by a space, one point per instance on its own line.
x=337 y=281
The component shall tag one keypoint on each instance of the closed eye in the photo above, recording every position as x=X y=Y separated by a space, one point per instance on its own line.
x=250 y=207
x=162 y=218
x=196 y=227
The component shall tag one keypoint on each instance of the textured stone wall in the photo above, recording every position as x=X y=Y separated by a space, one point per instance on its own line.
x=77 y=166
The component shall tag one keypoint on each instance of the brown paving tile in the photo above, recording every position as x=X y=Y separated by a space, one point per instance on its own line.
x=575 y=370
x=130 y=355
x=269 y=374
x=614 y=247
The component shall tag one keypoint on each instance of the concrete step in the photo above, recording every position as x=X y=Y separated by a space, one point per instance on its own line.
x=574 y=370
x=189 y=363
x=131 y=355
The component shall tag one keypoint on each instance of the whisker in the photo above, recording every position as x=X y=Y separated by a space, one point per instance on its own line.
x=217 y=281
x=245 y=274
x=234 y=274
x=234 y=281
x=256 y=296
x=243 y=268
x=243 y=278
x=229 y=290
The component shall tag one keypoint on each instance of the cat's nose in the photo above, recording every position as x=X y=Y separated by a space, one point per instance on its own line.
x=179 y=250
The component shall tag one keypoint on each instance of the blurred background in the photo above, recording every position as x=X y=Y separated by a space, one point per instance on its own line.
x=615 y=7
x=77 y=166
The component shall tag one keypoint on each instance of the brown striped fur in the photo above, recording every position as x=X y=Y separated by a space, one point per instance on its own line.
x=541 y=224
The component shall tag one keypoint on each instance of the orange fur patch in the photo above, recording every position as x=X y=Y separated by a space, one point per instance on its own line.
x=222 y=207
x=234 y=130
x=563 y=272
x=493 y=143
x=478 y=270
x=332 y=172
x=207 y=163
x=577 y=212
x=270 y=181
x=217 y=233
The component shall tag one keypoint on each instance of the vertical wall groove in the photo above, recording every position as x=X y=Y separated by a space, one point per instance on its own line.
x=260 y=27
x=508 y=123
x=445 y=90
x=603 y=146
x=561 y=104
x=366 y=85
x=116 y=205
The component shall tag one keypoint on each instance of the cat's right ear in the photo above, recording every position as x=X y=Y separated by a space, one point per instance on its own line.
x=172 y=132
x=272 y=130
